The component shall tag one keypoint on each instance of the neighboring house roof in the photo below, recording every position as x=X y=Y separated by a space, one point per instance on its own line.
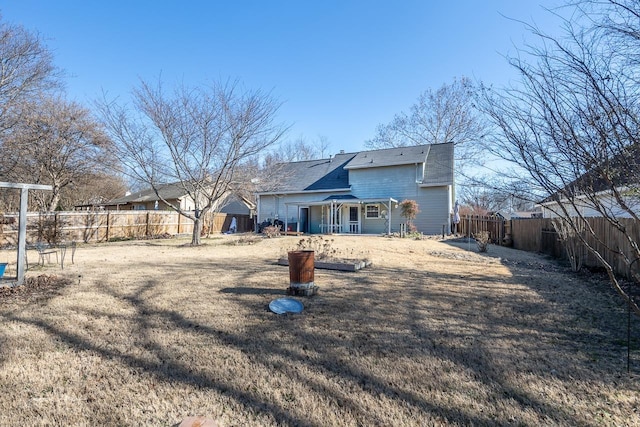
x=235 y=204
x=171 y=191
x=333 y=173
x=623 y=170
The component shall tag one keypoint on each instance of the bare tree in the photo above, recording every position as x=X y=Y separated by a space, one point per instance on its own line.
x=26 y=70
x=297 y=150
x=573 y=124
x=446 y=115
x=92 y=189
x=198 y=138
x=491 y=194
x=56 y=142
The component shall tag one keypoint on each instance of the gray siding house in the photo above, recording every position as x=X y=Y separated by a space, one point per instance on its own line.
x=359 y=193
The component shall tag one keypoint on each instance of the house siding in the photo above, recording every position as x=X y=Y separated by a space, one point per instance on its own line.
x=435 y=207
x=587 y=209
x=383 y=182
x=400 y=183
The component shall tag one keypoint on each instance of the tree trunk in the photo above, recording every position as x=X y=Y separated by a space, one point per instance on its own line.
x=55 y=199
x=197 y=229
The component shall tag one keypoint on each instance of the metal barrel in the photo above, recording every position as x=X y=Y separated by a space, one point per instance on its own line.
x=301 y=269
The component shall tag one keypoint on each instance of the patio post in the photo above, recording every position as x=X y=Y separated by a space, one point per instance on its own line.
x=389 y=224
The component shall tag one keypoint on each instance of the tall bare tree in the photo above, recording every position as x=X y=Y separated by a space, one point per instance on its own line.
x=297 y=150
x=57 y=143
x=92 y=189
x=572 y=125
x=198 y=138
x=444 y=115
x=26 y=70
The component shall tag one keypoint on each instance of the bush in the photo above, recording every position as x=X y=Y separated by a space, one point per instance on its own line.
x=482 y=240
x=271 y=231
x=409 y=209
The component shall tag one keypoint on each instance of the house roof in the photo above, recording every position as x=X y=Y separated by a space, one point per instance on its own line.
x=622 y=170
x=390 y=157
x=333 y=174
x=167 y=191
x=313 y=175
x=439 y=167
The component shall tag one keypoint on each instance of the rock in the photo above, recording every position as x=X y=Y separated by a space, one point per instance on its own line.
x=198 y=422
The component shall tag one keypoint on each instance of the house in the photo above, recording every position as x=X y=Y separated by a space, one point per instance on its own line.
x=597 y=191
x=175 y=194
x=147 y=199
x=584 y=206
x=359 y=193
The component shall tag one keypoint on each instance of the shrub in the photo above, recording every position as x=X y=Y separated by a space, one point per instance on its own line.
x=271 y=231
x=319 y=245
x=409 y=209
x=482 y=240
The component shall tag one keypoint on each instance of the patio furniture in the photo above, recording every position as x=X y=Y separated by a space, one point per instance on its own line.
x=45 y=250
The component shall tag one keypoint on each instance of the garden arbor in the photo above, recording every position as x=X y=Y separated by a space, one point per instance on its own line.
x=22 y=230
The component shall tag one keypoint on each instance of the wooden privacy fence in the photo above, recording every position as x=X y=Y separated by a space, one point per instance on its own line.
x=112 y=225
x=539 y=235
x=496 y=226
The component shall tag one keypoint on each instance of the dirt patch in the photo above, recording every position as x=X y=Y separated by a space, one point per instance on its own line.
x=433 y=333
x=35 y=289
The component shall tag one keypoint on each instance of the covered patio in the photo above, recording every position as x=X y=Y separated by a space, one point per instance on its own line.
x=339 y=214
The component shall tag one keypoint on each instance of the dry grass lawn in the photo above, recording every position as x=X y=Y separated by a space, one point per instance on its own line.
x=148 y=333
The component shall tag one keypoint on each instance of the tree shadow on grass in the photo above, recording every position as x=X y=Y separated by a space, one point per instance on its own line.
x=330 y=347
x=246 y=290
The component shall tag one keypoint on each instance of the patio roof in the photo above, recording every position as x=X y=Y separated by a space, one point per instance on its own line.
x=337 y=201
x=342 y=199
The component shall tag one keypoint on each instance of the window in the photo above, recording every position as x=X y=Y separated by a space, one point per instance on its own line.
x=353 y=214
x=373 y=211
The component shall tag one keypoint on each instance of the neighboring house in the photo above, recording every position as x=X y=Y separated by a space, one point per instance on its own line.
x=622 y=172
x=175 y=194
x=583 y=206
x=149 y=200
x=519 y=214
x=359 y=193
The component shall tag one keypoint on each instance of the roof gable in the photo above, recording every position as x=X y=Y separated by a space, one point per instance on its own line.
x=439 y=165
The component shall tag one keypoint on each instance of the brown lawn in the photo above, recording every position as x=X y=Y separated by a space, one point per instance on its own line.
x=148 y=333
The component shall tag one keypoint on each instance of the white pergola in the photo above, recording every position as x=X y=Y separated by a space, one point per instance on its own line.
x=22 y=223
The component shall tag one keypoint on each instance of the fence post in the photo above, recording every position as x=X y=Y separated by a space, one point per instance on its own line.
x=146 y=232
x=178 y=224
x=108 y=225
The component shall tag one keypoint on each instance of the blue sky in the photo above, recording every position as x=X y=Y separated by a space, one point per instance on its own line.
x=340 y=67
